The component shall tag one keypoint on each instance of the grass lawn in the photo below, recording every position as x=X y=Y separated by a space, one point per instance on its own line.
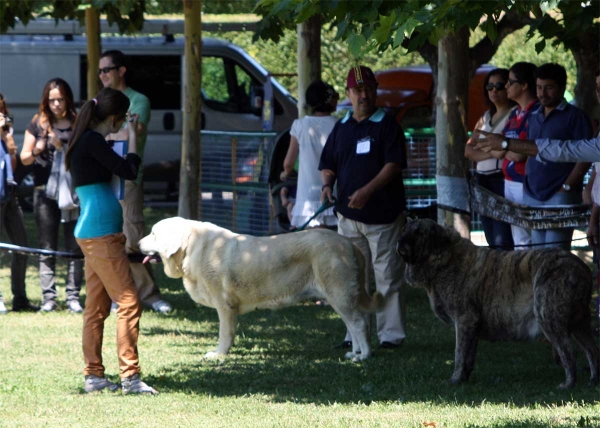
x=282 y=371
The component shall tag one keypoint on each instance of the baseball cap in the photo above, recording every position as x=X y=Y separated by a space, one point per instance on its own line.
x=360 y=75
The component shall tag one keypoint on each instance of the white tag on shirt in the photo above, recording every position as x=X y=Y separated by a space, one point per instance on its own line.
x=363 y=146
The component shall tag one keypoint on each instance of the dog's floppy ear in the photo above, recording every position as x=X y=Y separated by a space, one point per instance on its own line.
x=172 y=234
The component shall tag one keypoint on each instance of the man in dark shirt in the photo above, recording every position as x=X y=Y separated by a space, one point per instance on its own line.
x=365 y=154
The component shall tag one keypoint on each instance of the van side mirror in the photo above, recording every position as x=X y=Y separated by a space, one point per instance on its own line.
x=256 y=99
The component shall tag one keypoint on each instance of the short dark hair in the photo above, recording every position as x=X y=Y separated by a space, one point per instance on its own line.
x=119 y=59
x=525 y=73
x=319 y=95
x=554 y=72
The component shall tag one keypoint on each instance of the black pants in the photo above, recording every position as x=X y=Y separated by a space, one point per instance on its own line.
x=47 y=219
x=12 y=221
x=497 y=233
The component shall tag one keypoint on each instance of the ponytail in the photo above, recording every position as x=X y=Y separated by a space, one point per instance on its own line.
x=107 y=103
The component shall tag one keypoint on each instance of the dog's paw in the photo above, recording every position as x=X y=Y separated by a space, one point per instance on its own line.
x=350 y=355
x=213 y=355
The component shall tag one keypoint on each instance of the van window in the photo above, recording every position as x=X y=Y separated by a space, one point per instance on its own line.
x=228 y=87
x=157 y=77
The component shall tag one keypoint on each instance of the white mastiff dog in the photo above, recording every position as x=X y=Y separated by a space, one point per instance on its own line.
x=240 y=273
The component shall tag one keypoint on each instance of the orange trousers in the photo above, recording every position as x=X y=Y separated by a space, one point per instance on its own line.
x=108 y=278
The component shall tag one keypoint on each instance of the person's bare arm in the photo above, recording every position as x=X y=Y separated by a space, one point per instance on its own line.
x=470 y=152
x=290 y=158
x=491 y=141
x=31 y=148
x=361 y=196
x=132 y=133
x=576 y=175
x=328 y=178
x=514 y=156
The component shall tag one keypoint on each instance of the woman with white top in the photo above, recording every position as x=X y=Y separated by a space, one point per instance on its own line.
x=308 y=137
x=489 y=165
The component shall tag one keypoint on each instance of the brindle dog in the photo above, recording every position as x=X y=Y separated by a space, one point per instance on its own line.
x=501 y=295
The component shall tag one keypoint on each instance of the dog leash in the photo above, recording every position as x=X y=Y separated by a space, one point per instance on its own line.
x=325 y=205
x=133 y=257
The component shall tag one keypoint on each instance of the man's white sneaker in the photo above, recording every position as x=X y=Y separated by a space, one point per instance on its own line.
x=162 y=307
x=134 y=385
x=3 y=309
x=96 y=383
x=74 y=306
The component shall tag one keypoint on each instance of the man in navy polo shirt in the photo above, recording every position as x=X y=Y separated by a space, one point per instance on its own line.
x=365 y=154
x=551 y=183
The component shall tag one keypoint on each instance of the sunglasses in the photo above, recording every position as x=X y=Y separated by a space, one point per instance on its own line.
x=512 y=82
x=500 y=86
x=107 y=69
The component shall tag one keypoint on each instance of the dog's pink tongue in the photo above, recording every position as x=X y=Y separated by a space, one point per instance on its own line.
x=146 y=259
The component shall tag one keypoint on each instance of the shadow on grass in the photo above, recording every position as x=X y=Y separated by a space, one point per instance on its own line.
x=288 y=355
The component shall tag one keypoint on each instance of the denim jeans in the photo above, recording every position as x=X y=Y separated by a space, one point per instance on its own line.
x=553 y=238
x=12 y=221
x=498 y=234
x=47 y=219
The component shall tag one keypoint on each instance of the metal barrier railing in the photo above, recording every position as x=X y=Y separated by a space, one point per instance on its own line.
x=234 y=189
x=235 y=170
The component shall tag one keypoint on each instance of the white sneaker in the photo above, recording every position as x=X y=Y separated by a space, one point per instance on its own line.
x=74 y=306
x=162 y=307
x=134 y=385
x=95 y=383
x=3 y=309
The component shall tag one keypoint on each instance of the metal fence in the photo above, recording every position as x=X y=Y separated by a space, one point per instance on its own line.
x=234 y=190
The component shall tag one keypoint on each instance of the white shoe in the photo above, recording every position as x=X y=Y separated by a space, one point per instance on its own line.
x=74 y=306
x=162 y=307
x=134 y=385
x=3 y=309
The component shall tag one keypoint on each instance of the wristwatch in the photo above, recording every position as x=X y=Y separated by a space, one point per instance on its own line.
x=505 y=144
x=566 y=187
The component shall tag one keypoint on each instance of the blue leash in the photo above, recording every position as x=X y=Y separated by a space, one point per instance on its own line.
x=326 y=204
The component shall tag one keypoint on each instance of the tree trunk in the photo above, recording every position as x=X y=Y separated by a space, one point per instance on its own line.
x=190 y=173
x=450 y=129
x=309 y=57
x=92 y=29
x=586 y=57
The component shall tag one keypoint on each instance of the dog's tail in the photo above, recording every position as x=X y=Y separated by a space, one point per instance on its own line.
x=366 y=303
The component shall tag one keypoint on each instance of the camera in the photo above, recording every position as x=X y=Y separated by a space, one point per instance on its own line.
x=7 y=120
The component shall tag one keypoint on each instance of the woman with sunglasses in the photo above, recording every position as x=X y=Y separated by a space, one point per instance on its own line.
x=489 y=165
x=520 y=88
x=45 y=136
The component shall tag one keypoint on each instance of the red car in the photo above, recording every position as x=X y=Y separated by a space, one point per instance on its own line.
x=407 y=93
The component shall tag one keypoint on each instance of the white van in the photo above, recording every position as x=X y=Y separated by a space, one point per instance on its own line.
x=232 y=91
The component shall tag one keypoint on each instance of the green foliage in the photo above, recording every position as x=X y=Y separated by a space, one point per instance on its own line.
x=175 y=7
x=127 y=14
x=13 y=10
x=336 y=60
x=368 y=25
x=517 y=47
